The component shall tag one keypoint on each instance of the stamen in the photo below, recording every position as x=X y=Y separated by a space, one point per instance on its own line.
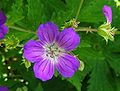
x=53 y=51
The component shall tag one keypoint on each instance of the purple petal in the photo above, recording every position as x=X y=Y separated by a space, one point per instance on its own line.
x=44 y=70
x=48 y=32
x=2 y=18
x=68 y=39
x=3 y=88
x=33 y=51
x=1 y=35
x=3 y=31
x=67 y=65
x=107 y=13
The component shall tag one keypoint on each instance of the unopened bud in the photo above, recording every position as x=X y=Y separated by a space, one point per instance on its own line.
x=107 y=32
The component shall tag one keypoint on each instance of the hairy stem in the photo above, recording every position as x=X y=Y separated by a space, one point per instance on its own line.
x=21 y=29
x=86 y=29
x=79 y=8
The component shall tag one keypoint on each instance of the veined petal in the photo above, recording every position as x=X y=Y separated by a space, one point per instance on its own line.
x=2 y=18
x=33 y=51
x=68 y=39
x=48 y=32
x=3 y=31
x=107 y=13
x=44 y=70
x=67 y=65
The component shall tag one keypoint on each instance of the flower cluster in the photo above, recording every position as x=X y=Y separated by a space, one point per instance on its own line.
x=52 y=51
x=3 y=28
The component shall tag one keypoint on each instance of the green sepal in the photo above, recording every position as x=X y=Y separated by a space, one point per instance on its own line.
x=26 y=63
x=107 y=32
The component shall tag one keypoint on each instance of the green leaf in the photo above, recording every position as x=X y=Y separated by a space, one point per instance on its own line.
x=118 y=84
x=99 y=80
x=66 y=13
x=27 y=63
x=6 y=5
x=39 y=88
x=112 y=55
x=16 y=13
x=84 y=43
x=91 y=10
x=76 y=81
x=114 y=62
x=35 y=13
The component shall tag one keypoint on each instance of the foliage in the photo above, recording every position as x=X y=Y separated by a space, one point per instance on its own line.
x=101 y=61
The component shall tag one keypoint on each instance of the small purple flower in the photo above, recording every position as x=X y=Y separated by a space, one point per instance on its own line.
x=3 y=28
x=52 y=51
x=3 y=88
x=107 y=13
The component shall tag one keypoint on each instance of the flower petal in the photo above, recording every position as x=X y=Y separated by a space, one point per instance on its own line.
x=33 y=51
x=3 y=31
x=48 y=32
x=68 y=39
x=67 y=65
x=107 y=13
x=4 y=28
x=3 y=88
x=44 y=69
x=1 y=35
x=2 y=18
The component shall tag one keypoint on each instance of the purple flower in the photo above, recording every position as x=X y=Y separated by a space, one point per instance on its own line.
x=3 y=88
x=107 y=13
x=52 y=51
x=3 y=28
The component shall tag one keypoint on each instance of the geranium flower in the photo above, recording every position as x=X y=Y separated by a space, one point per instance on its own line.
x=52 y=51
x=3 y=88
x=3 y=28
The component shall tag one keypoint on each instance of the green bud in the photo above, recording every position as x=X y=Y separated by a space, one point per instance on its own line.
x=82 y=66
x=107 y=32
x=72 y=23
x=11 y=42
x=26 y=63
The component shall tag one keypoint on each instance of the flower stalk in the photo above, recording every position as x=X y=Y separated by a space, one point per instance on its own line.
x=21 y=29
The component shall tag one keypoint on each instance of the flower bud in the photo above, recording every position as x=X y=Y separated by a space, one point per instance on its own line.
x=72 y=23
x=107 y=32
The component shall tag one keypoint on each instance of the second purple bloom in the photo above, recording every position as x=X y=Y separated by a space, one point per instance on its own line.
x=51 y=52
x=3 y=27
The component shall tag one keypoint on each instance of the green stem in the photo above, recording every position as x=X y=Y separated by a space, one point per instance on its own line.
x=79 y=8
x=86 y=29
x=21 y=29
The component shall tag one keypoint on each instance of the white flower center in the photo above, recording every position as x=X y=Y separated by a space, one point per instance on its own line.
x=52 y=51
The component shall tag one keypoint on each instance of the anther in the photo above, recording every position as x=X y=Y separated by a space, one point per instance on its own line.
x=47 y=55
